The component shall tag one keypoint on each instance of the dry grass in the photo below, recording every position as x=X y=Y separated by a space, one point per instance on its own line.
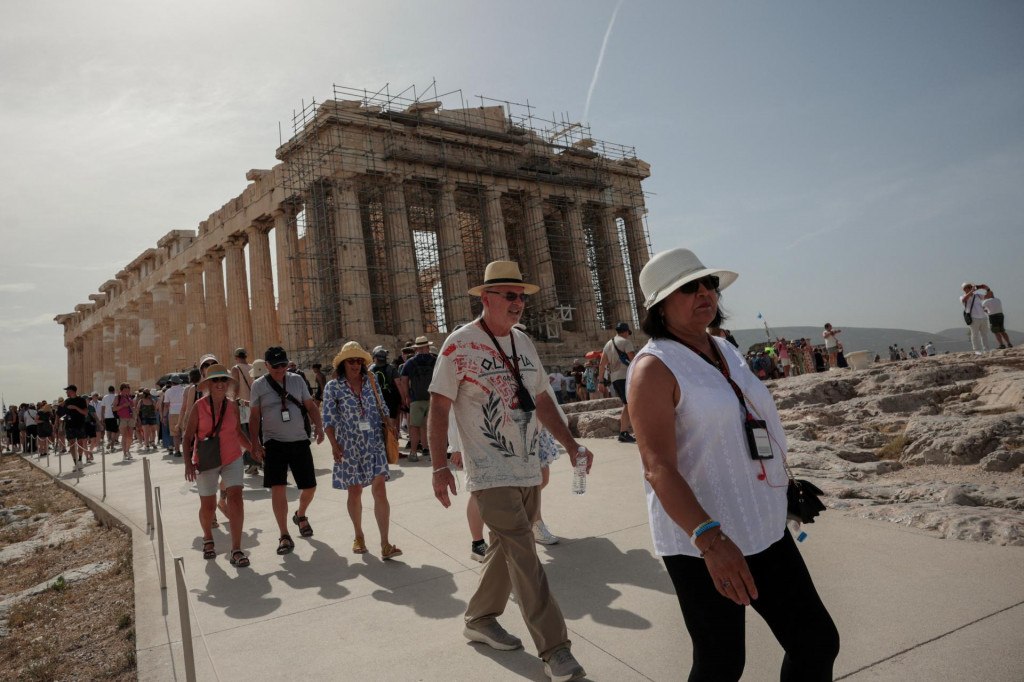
x=894 y=448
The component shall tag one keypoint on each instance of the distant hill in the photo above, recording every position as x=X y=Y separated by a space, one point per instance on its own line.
x=872 y=339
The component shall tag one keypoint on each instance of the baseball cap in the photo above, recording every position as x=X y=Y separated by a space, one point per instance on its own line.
x=71 y=387
x=275 y=355
x=623 y=327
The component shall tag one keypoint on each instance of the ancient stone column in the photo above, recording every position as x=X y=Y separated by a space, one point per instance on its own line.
x=265 y=329
x=239 y=319
x=539 y=269
x=216 y=308
x=452 y=260
x=495 y=238
x=639 y=252
x=70 y=347
x=176 y=325
x=585 y=316
x=96 y=380
x=196 y=343
x=161 y=330
x=408 y=314
x=355 y=307
x=130 y=354
x=286 y=246
x=88 y=355
x=617 y=305
x=120 y=348
x=147 y=338
x=109 y=356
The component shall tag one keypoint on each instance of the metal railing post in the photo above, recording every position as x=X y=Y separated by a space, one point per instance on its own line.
x=147 y=482
x=103 y=466
x=160 y=539
x=60 y=464
x=186 y=621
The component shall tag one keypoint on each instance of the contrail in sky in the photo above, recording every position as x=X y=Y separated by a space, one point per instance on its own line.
x=600 y=58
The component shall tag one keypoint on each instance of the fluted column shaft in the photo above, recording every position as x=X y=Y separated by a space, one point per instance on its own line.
x=196 y=343
x=408 y=315
x=585 y=317
x=452 y=260
x=239 y=318
x=120 y=348
x=539 y=269
x=639 y=253
x=355 y=305
x=130 y=323
x=617 y=305
x=162 y=363
x=70 y=347
x=286 y=247
x=147 y=368
x=265 y=329
x=96 y=380
x=216 y=308
x=176 y=324
x=109 y=356
x=88 y=355
x=495 y=237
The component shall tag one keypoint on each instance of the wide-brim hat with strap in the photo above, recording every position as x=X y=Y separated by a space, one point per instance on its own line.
x=420 y=342
x=352 y=349
x=669 y=270
x=213 y=372
x=503 y=273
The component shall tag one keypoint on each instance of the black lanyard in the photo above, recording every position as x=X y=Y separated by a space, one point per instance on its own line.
x=513 y=365
x=217 y=421
x=723 y=368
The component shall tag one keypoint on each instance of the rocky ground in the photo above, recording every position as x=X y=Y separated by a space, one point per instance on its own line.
x=67 y=604
x=935 y=443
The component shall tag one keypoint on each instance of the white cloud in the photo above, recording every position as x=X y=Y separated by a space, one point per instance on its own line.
x=17 y=287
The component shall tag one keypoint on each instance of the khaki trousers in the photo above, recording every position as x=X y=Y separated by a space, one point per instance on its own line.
x=512 y=562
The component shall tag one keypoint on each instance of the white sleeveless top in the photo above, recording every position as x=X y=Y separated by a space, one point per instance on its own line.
x=712 y=452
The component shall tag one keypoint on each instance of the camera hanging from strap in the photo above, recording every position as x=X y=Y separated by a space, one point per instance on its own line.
x=526 y=403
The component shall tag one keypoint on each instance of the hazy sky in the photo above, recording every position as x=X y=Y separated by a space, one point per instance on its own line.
x=853 y=161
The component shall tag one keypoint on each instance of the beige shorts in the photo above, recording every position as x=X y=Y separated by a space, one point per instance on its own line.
x=418 y=412
x=125 y=424
x=174 y=424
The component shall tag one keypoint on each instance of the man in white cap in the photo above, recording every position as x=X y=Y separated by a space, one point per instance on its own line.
x=972 y=303
x=492 y=376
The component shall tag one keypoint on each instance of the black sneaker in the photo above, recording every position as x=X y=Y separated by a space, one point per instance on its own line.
x=478 y=551
x=626 y=437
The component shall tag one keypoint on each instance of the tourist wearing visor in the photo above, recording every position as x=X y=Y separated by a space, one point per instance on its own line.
x=717 y=503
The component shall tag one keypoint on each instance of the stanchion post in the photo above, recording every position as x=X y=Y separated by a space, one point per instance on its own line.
x=160 y=538
x=103 y=466
x=149 y=494
x=186 y=622
x=60 y=464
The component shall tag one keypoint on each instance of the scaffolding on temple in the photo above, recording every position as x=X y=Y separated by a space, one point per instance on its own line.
x=401 y=199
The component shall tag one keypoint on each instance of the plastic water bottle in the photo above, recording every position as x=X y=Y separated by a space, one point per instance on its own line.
x=579 y=472
x=794 y=527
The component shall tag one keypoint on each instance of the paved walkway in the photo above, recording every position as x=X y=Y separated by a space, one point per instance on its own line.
x=909 y=607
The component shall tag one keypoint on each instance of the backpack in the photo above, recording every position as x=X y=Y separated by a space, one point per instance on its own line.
x=385 y=377
x=421 y=375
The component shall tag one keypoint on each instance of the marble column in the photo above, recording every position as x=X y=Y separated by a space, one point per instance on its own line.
x=639 y=252
x=539 y=270
x=96 y=380
x=495 y=239
x=216 y=308
x=265 y=329
x=176 y=325
x=196 y=343
x=355 y=306
x=88 y=355
x=239 y=317
x=617 y=306
x=452 y=260
x=70 y=347
x=585 y=317
x=405 y=297
x=147 y=336
x=161 y=330
x=109 y=356
x=286 y=247
x=120 y=348
x=132 y=363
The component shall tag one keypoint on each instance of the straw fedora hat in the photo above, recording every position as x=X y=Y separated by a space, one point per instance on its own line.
x=503 y=272
x=671 y=269
x=352 y=349
x=420 y=342
x=213 y=372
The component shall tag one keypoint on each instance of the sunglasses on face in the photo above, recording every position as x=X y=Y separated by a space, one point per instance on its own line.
x=219 y=380
x=510 y=296
x=206 y=364
x=710 y=283
x=353 y=361
x=278 y=365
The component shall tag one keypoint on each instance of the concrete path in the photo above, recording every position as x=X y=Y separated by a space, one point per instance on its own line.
x=908 y=606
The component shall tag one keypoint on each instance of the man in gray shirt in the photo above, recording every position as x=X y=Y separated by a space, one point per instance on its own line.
x=278 y=401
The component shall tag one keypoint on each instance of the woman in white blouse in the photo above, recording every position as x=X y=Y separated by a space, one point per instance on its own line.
x=716 y=483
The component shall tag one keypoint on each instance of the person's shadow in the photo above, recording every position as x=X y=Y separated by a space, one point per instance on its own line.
x=400 y=581
x=325 y=570
x=243 y=595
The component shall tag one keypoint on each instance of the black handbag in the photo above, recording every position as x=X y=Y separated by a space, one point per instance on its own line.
x=209 y=447
x=802 y=503
x=967 y=312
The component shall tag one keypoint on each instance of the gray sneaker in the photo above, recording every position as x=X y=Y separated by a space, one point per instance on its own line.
x=542 y=535
x=563 y=666
x=494 y=636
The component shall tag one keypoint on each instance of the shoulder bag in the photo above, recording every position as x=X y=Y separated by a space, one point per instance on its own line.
x=390 y=439
x=968 y=318
x=209 y=447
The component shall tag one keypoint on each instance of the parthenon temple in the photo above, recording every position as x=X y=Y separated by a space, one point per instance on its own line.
x=382 y=213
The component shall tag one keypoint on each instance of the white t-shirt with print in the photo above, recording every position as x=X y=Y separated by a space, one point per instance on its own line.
x=992 y=306
x=499 y=440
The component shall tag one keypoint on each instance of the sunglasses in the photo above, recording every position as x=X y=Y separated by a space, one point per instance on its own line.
x=278 y=365
x=510 y=296
x=219 y=380
x=207 y=364
x=353 y=361
x=710 y=282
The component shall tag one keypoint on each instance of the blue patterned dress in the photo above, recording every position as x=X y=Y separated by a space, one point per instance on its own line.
x=364 y=454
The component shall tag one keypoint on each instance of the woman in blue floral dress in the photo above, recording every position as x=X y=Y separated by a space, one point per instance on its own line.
x=353 y=418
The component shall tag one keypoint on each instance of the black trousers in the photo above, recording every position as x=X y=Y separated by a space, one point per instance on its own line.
x=786 y=600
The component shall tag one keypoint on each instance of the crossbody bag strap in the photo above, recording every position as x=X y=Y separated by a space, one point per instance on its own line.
x=284 y=391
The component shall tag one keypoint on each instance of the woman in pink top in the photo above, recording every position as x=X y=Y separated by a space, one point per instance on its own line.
x=124 y=406
x=216 y=416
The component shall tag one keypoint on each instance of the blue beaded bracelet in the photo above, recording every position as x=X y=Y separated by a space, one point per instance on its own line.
x=701 y=529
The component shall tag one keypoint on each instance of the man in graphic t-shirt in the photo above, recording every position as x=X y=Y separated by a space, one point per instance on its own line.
x=492 y=376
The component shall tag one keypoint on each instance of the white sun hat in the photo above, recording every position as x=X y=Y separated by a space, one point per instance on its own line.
x=671 y=269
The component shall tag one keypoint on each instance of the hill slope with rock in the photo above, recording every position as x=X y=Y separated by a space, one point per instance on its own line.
x=935 y=443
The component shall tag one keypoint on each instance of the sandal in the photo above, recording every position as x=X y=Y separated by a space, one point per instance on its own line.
x=305 y=531
x=214 y=523
x=239 y=559
x=389 y=551
x=359 y=546
x=285 y=544
x=208 y=550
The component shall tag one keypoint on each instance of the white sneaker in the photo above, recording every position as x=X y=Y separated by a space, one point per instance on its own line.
x=541 y=534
